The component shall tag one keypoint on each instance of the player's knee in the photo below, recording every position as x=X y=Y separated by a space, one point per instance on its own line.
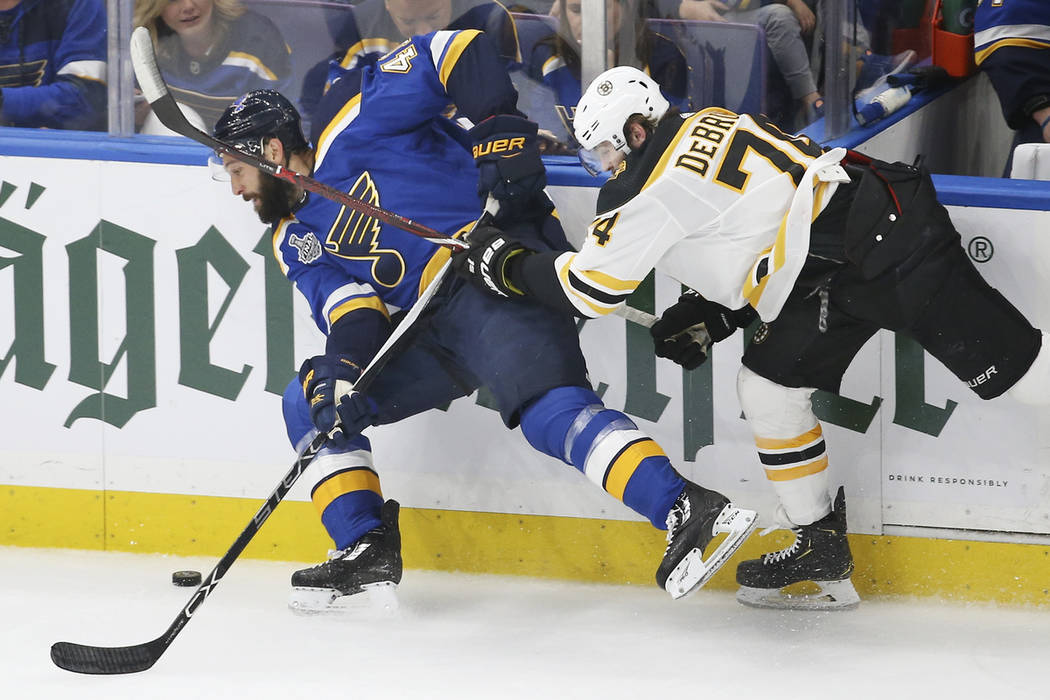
x=552 y=422
x=1034 y=387
x=774 y=410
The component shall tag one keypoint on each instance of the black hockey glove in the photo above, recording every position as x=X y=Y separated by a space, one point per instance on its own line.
x=506 y=151
x=487 y=262
x=328 y=384
x=686 y=330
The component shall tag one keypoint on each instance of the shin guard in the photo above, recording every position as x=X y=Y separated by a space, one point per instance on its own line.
x=790 y=445
x=571 y=424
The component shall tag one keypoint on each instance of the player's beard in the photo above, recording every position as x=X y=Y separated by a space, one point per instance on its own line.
x=276 y=199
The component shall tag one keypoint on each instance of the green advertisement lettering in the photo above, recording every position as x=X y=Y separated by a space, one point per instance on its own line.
x=31 y=369
x=196 y=331
x=137 y=349
x=280 y=335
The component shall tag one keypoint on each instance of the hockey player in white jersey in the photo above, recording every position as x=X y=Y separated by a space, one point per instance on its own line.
x=824 y=247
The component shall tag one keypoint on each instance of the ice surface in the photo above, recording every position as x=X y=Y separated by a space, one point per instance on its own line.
x=469 y=636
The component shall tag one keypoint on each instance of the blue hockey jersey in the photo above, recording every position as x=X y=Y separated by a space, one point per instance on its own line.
x=382 y=138
x=53 y=64
x=1012 y=45
x=251 y=55
x=369 y=32
x=999 y=24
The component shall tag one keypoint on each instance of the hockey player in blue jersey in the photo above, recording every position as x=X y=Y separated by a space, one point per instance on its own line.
x=53 y=64
x=384 y=140
x=1012 y=45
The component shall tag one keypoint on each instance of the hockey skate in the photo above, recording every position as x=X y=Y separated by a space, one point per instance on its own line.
x=820 y=555
x=360 y=578
x=697 y=517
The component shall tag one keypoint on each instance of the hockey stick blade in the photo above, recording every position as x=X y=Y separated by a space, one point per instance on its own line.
x=83 y=658
x=106 y=660
x=163 y=104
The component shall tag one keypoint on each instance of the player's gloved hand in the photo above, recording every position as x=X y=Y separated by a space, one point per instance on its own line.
x=328 y=384
x=487 y=262
x=686 y=330
x=506 y=151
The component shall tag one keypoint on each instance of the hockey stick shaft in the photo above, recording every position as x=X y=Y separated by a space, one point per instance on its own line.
x=82 y=658
x=131 y=659
x=156 y=91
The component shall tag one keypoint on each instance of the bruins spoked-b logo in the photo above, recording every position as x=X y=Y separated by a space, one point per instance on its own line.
x=355 y=236
x=605 y=88
x=760 y=334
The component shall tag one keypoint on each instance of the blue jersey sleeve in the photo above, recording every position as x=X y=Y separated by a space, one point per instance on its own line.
x=348 y=311
x=418 y=80
x=72 y=94
x=1012 y=46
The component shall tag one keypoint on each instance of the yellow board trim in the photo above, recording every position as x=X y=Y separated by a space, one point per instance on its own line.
x=622 y=469
x=792 y=473
x=342 y=483
x=578 y=549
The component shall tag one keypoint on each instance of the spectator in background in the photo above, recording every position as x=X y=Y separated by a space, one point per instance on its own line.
x=786 y=24
x=555 y=60
x=213 y=51
x=1012 y=45
x=53 y=64
x=374 y=27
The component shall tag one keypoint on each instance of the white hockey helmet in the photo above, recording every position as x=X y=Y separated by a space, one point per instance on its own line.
x=609 y=101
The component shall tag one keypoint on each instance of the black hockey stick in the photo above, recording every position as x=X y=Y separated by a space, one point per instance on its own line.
x=83 y=658
x=144 y=60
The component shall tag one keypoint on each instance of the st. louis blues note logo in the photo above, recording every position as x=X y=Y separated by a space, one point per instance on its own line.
x=308 y=246
x=355 y=236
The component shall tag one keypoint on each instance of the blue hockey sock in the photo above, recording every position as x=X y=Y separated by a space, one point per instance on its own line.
x=572 y=424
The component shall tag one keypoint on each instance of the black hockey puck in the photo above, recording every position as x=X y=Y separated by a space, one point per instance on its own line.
x=186 y=578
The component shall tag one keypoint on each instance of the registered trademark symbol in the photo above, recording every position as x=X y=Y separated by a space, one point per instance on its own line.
x=980 y=249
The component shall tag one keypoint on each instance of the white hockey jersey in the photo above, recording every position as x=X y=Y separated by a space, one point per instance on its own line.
x=720 y=201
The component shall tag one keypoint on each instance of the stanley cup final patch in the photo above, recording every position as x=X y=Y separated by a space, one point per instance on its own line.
x=308 y=246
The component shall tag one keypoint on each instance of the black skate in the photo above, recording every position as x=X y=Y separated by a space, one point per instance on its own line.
x=697 y=516
x=364 y=575
x=820 y=554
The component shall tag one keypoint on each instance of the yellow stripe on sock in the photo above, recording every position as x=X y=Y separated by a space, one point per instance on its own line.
x=360 y=479
x=792 y=473
x=783 y=444
x=624 y=466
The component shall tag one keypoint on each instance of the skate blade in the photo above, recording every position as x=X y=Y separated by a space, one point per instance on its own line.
x=379 y=599
x=694 y=571
x=833 y=595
